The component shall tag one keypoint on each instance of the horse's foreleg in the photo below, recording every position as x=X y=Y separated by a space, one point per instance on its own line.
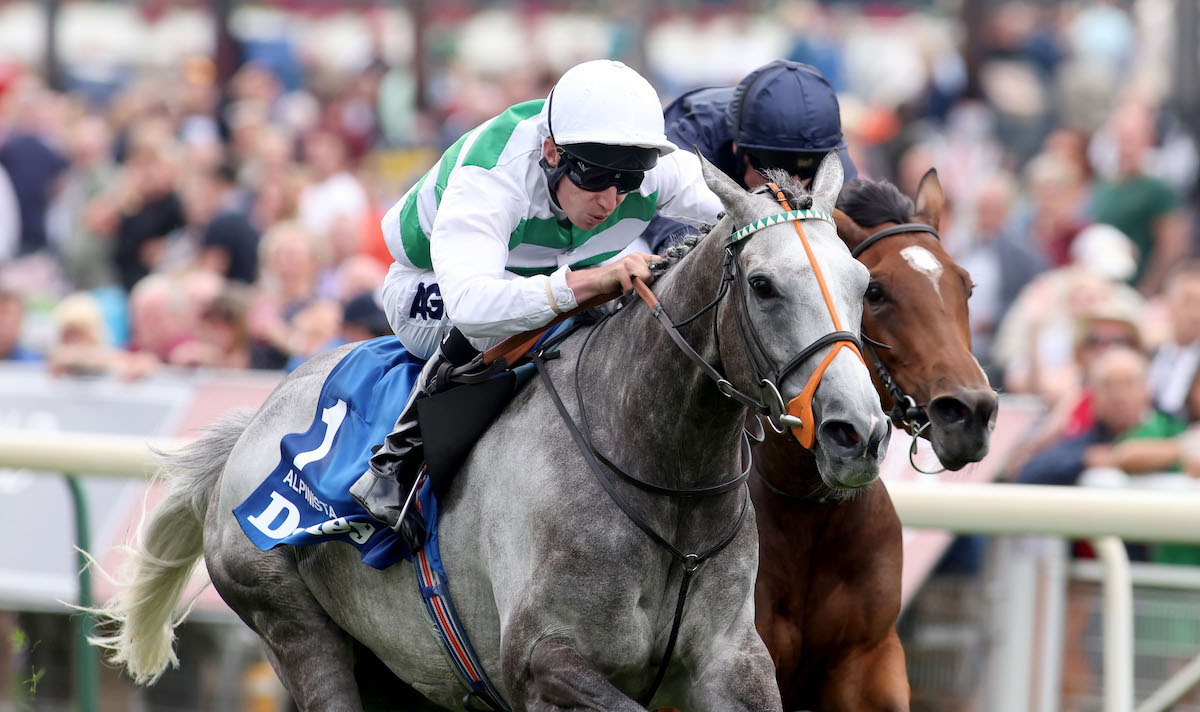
x=559 y=678
x=874 y=680
x=736 y=675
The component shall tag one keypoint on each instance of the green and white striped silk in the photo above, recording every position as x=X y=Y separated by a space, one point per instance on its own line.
x=790 y=216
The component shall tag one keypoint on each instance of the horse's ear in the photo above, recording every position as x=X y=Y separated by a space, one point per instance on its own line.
x=828 y=183
x=735 y=200
x=849 y=231
x=931 y=199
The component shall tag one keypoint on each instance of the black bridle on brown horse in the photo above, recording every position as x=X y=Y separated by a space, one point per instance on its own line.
x=906 y=412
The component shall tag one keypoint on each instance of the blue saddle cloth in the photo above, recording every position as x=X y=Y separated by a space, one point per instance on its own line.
x=306 y=499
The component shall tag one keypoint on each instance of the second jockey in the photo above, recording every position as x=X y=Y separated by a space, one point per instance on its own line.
x=525 y=217
x=783 y=115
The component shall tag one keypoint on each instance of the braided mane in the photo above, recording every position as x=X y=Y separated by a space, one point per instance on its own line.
x=676 y=252
x=797 y=196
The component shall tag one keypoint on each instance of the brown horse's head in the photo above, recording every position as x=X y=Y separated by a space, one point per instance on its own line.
x=916 y=304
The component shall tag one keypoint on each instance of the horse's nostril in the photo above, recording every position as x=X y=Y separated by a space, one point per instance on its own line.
x=967 y=410
x=947 y=411
x=842 y=434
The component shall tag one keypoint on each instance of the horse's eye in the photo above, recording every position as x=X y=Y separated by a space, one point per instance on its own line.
x=875 y=294
x=762 y=287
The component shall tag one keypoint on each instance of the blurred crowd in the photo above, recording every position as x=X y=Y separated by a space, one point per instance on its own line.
x=184 y=224
x=172 y=219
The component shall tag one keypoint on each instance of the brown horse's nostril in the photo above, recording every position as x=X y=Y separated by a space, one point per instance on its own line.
x=948 y=412
x=971 y=409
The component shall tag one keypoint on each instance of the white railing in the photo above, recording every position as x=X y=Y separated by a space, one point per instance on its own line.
x=1105 y=516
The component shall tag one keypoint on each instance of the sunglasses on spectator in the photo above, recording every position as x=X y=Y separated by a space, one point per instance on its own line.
x=594 y=179
x=1094 y=341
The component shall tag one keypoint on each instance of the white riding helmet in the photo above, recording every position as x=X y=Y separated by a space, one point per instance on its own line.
x=603 y=104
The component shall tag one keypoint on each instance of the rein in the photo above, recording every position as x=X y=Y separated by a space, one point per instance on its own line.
x=906 y=412
x=796 y=414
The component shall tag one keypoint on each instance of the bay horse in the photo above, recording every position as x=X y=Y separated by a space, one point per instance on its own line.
x=567 y=603
x=828 y=591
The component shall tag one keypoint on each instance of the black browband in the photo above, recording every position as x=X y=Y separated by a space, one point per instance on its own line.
x=893 y=230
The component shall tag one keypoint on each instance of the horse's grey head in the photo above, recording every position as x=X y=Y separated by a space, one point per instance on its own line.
x=785 y=309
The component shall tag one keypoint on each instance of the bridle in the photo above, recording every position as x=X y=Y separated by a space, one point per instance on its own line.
x=796 y=414
x=906 y=412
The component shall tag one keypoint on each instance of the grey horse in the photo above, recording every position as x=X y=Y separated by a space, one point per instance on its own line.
x=568 y=604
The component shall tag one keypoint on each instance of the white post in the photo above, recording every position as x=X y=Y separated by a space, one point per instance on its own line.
x=1010 y=674
x=1055 y=559
x=1118 y=624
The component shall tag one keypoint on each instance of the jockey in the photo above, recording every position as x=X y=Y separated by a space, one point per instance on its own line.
x=495 y=239
x=782 y=115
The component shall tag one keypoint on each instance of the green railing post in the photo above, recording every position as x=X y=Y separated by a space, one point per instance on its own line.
x=86 y=671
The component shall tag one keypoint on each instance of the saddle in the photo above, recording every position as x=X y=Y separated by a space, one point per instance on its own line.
x=466 y=400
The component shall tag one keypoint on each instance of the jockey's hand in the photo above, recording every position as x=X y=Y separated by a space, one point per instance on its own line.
x=611 y=279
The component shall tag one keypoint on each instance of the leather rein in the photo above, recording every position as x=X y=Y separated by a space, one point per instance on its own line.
x=906 y=412
x=796 y=414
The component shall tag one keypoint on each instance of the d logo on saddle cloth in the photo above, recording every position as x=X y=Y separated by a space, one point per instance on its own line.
x=797 y=413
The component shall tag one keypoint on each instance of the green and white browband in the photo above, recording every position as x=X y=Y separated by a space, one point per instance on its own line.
x=772 y=220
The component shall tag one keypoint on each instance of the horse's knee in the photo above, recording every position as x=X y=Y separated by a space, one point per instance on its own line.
x=559 y=678
x=874 y=681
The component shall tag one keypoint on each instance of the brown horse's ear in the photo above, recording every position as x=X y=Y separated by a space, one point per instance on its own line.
x=931 y=199
x=851 y=232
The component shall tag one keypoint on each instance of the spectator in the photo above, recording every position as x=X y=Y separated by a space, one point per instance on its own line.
x=150 y=208
x=291 y=259
x=222 y=336
x=352 y=276
x=200 y=289
x=363 y=319
x=335 y=192
x=158 y=317
x=1155 y=444
x=1070 y=400
x=229 y=242
x=1177 y=360
x=12 y=316
x=34 y=164
x=1001 y=262
x=81 y=346
x=1056 y=206
x=316 y=327
x=88 y=221
x=1165 y=443
x=1142 y=207
x=1120 y=401
x=1035 y=342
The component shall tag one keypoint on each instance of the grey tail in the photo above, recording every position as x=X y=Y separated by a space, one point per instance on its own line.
x=167 y=551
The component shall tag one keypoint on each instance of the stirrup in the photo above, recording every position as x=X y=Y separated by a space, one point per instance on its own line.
x=410 y=525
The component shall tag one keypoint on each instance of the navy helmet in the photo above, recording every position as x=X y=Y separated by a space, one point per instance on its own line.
x=783 y=109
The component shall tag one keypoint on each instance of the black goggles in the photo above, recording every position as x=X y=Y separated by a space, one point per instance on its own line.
x=594 y=178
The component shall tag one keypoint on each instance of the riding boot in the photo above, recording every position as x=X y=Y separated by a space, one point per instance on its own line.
x=396 y=464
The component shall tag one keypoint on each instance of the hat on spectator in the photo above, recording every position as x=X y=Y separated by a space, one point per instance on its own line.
x=364 y=311
x=1105 y=251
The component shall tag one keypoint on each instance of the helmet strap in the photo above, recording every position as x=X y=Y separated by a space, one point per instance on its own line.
x=743 y=164
x=554 y=175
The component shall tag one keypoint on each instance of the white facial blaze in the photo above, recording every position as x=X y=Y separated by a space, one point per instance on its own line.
x=923 y=261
